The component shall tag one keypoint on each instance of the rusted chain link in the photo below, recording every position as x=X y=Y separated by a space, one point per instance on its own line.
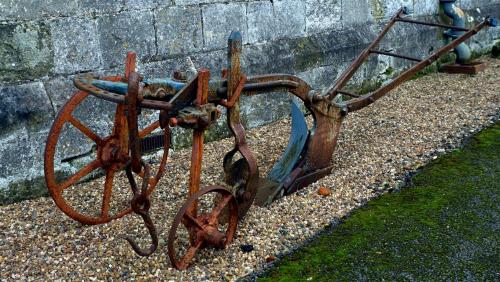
x=141 y=203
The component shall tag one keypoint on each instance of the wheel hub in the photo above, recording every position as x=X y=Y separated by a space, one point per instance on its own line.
x=111 y=153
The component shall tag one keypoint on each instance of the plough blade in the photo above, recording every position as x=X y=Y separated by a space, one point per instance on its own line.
x=271 y=187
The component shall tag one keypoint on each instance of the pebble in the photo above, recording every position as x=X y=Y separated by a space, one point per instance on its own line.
x=270 y=259
x=323 y=191
x=407 y=127
x=247 y=248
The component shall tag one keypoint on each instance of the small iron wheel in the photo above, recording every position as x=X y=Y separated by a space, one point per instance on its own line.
x=112 y=156
x=203 y=229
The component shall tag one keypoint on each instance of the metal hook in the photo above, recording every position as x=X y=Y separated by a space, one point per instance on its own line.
x=140 y=205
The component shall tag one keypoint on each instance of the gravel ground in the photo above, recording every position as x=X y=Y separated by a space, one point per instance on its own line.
x=378 y=148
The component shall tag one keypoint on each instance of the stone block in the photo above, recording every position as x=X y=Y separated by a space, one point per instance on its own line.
x=261 y=22
x=36 y=9
x=290 y=18
x=215 y=61
x=25 y=104
x=426 y=7
x=76 y=45
x=321 y=78
x=384 y=9
x=473 y=4
x=197 y=2
x=13 y=149
x=263 y=109
x=163 y=69
x=179 y=30
x=100 y=6
x=60 y=90
x=21 y=168
x=266 y=58
x=219 y=20
x=322 y=15
x=146 y=4
x=128 y=31
x=25 y=51
x=356 y=13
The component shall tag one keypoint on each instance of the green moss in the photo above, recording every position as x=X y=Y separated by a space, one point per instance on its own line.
x=495 y=51
x=25 y=51
x=389 y=71
x=442 y=227
x=24 y=190
x=377 y=9
x=366 y=86
x=435 y=67
x=307 y=54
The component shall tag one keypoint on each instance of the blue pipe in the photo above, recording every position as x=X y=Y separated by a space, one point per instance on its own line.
x=451 y=10
x=121 y=87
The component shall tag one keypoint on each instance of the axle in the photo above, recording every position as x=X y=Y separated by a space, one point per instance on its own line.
x=165 y=89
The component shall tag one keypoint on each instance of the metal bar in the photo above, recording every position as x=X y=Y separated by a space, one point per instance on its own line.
x=432 y=24
x=365 y=100
x=261 y=86
x=198 y=138
x=347 y=75
x=395 y=55
x=348 y=94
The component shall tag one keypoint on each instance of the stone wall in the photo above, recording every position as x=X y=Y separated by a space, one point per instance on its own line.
x=43 y=44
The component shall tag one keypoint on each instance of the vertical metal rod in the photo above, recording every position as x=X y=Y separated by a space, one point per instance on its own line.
x=361 y=58
x=130 y=64
x=197 y=150
x=234 y=75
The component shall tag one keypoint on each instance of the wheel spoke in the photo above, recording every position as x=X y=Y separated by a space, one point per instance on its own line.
x=108 y=189
x=191 y=252
x=214 y=215
x=193 y=220
x=81 y=173
x=85 y=130
x=150 y=128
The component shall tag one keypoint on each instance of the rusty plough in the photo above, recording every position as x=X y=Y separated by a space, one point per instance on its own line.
x=195 y=104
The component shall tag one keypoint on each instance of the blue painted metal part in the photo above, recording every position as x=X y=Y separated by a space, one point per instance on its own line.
x=493 y=22
x=451 y=10
x=296 y=144
x=171 y=83
x=121 y=87
x=115 y=87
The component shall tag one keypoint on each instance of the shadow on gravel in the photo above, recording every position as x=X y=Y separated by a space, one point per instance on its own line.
x=443 y=226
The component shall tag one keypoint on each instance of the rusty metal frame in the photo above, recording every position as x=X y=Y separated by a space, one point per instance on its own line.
x=194 y=106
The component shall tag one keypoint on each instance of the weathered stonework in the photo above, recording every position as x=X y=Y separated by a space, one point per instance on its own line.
x=179 y=30
x=36 y=9
x=75 y=44
x=261 y=22
x=219 y=20
x=43 y=44
x=120 y=33
x=25 y=51
x=323 y=15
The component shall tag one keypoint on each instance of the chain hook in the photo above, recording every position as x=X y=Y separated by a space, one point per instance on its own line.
x=141 y=203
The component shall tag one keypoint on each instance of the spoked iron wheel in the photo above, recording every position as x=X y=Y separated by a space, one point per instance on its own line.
x=112 y=157
x=203 y=229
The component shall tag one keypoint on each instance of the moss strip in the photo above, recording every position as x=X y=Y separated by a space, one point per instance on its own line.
x=444 y=226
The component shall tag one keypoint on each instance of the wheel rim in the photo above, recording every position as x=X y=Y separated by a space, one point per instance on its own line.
x=202 y=227
x=111 y=168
